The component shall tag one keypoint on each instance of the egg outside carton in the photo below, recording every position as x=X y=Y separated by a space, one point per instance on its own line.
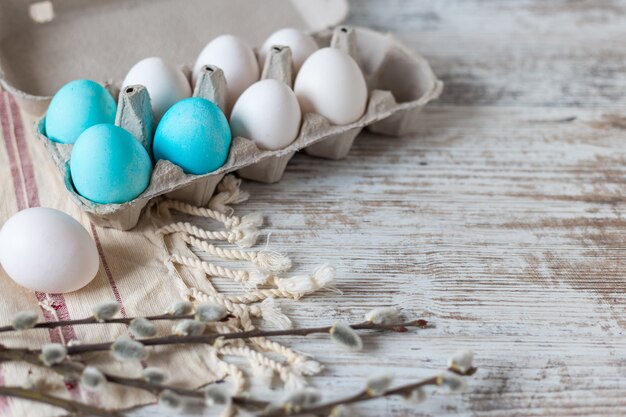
x=400 y=83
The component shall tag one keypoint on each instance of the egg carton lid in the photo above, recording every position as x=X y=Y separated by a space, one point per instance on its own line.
x=45 y=44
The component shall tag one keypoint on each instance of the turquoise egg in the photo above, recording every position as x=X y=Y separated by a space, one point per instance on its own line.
x=108 y=165
x=76 y=107
x=193 y=134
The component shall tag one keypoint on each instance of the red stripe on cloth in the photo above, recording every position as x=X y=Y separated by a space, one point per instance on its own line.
x=55 y=334
x=107 y=270
x=60 y=308
x=109 y=274
x=5 y=120
x=28 y=173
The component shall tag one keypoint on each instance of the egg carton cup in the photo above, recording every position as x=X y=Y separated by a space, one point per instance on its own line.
x=400 y=84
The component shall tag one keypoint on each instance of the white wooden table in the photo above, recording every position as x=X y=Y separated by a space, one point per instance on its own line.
x=501 y=221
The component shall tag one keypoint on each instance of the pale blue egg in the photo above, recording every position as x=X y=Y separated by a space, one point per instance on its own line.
x=193 y=134
x=108 y=165
x=76 y=107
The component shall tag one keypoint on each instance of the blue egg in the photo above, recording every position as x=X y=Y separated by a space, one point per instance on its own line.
x=193 y=134
x=108 y=165
x=76 y=107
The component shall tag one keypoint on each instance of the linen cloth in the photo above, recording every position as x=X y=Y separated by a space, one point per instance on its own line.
x=131 y=272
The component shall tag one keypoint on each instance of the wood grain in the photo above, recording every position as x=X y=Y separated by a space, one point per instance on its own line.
x=501 y=220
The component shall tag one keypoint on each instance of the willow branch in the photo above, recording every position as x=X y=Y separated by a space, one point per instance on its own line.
x=359 y=397
x=74 y=370
x=73 y=407
x=185 y=392
x=212 y=338
x=364 y=395
x=93 y=320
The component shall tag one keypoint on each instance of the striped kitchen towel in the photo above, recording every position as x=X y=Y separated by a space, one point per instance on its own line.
x=131 y=272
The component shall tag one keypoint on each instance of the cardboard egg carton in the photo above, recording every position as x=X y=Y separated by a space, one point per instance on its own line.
x=400 y=84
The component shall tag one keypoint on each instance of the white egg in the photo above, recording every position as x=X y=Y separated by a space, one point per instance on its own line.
x=236 y=59
x=165 y=83
x=301 y=45
x=331 y=84
x=268 y=113
x=47 y=250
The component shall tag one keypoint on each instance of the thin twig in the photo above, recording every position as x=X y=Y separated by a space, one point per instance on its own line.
x=359 y=397
x=364 y=395
x=185 y=392
x=93 y=320
x=211 y=338
x=73 y=407
x=74 y=369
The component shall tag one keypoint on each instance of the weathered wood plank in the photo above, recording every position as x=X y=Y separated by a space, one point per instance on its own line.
x=513 y=52
x=501 y=220
x=509 y=238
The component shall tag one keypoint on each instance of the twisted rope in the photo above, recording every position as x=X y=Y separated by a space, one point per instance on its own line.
x=229 y=192
x=237 y=376
x=300 y=363
x=190 y=229
x=243 y=231
x=244 y=277
x=259 y=360
x=269 y=261
x=227 y=221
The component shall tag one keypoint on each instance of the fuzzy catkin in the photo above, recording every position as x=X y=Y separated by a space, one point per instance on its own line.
x=52 y=354
x=345 y=336
x=188 y=327
x=106 y=310
x=24 y=320
x=207 y=312
x=171 y=400
x=92 y=379
x=125 y=349
x=451 y=382
x=154 y=375
x=142 y=327
x=303 y=398
x=215 y=395
x=378 y=384
x=462 y=361
x=180 y=308
x=383 y=315
x=416 y=396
